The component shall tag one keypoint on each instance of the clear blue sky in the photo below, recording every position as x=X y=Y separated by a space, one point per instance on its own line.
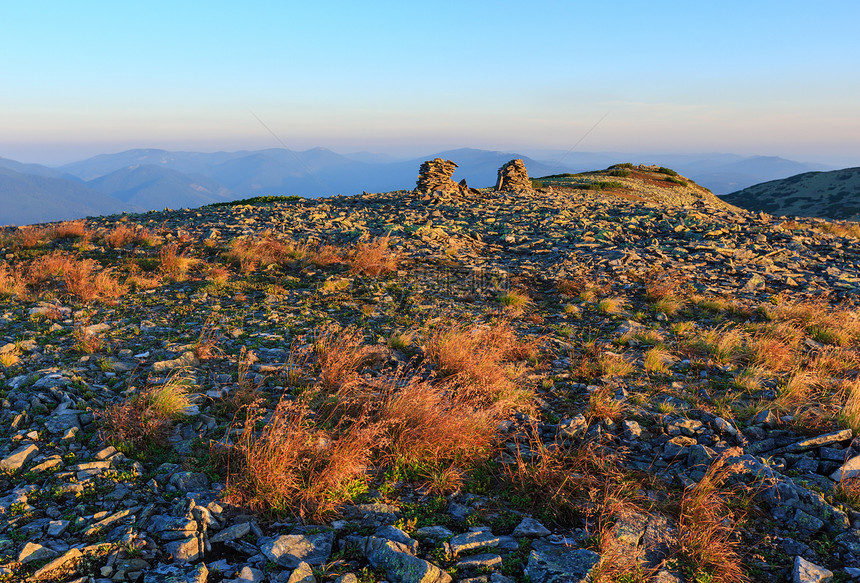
x=750 y=77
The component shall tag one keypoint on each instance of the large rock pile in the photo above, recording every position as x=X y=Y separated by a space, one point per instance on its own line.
x=513 y=177
x=435 y=176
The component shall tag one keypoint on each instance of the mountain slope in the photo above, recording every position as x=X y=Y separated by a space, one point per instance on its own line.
x=26 y=198
x=827 y=195
x=154 y=187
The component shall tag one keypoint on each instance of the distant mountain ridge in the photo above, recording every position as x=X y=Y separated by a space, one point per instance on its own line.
x=150 y=179
x=826 y=195
x=30 y=198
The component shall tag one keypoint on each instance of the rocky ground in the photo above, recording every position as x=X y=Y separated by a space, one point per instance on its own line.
x=675 y=397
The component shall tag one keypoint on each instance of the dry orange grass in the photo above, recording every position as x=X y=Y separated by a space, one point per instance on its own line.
x=252 y=253
x=476 y=358
x=772 y=352
x=72 y=230
x=433 y=426
x=838 y=325
x=85 y=280
x=565 y=483
x=706 y=523
x=11 y=282
x=123 y=234
x=603 y=405
x=172 y=263
x=29 y=237
x=292 y=466
x=662 y=285
x=327 y=255
x=85 y=341
x=339 y=354
x=849 y=398
x=374 y=258
x=49 y=266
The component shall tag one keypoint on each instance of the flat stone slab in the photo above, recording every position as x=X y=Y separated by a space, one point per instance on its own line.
x=819 y=440
x=401 y=567
x=230 y=533
x=480 y=561
x=288 y=550
x=177 y=574
x=476 y=539
x=19 y=457
x=59 y=567
x=560 y=564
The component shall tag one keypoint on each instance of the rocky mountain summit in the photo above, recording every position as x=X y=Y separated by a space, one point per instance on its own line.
x=612 y=376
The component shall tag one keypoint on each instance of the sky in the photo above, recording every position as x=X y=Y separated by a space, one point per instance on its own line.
x=754 y=78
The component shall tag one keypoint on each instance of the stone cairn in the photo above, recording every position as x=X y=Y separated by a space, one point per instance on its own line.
x=513 y=177
x=434 y=176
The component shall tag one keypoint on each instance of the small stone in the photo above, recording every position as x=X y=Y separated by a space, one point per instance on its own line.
x=632 y=430
x=184 y=550
x=57 y=527
x=250 y=575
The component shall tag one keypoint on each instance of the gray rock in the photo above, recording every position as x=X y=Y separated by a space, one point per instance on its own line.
x=397 y=535
x=806 y=572
x=474 y=539
x=177 y=574
x=35 y=552
x=190 y=481
x=187 y=360
x=807 y=523
x=433 y=533
x=632 y=430
x=289 y=550
x=399 y=566
x=560 y=564
x=531 y=528
x=61 y=565
x=172 y=527
x=231 y=533
x=188 y=549
x=850 y=469
x=818 y=441
x=479 y=561
x=304 y=573
x=57 y=527
x=19 y=457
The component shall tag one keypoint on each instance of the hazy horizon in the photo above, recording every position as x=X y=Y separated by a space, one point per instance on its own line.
x=767 y=78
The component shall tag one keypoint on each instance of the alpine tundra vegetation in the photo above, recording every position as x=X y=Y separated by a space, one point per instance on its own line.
x=607 y=376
